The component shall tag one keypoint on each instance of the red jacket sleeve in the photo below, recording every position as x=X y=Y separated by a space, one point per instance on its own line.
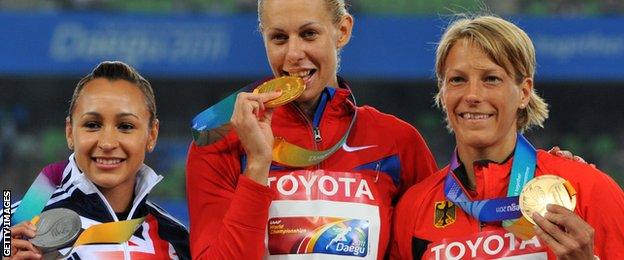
x=417 y=161
x=603 y=210
x=228 y=211
x=599 y=201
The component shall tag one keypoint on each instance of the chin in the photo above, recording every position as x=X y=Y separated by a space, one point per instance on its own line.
x=475 y=139
x=104 y=181
x=307 y=95
x=478 y=144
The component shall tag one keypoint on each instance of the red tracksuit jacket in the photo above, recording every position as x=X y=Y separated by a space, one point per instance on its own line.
x=428 y=226
x=343 y=206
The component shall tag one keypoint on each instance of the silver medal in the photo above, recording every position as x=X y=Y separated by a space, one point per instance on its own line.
x=57 y=228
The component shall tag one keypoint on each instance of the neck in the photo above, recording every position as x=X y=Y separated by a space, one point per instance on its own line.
x=497 y=153
x=120 y=197
x=309 y=107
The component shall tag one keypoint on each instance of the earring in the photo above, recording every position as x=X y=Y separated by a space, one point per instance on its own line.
x=522 y=106
x=150 y=148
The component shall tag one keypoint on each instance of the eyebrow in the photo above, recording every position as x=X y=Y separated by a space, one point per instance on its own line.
x=119 y=115
x=485 y=70
x=300 y=27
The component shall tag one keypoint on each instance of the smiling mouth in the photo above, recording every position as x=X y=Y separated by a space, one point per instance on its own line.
x=475 y=116
x=107 y=161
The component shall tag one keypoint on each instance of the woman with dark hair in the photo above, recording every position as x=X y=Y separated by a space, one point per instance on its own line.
x=110 y=126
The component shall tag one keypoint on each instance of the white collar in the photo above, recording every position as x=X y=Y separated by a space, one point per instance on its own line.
x=146 y=179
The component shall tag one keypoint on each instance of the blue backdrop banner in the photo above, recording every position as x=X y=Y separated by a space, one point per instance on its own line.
x=587 y=49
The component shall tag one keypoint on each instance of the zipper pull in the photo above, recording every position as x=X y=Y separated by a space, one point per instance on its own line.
x=317 y=134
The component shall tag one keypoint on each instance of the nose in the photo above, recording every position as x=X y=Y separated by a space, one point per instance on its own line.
x=473 y=94
x=107 y=140
x=295 y=51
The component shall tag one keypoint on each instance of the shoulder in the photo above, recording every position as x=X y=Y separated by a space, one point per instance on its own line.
x=369 y=112
x=226 y=142
x=579 y=174
x=222 y=158
x=164 y=218
x=389 y=124
x=171 y=230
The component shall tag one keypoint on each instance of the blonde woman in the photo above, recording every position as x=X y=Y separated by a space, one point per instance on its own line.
x=485 y=68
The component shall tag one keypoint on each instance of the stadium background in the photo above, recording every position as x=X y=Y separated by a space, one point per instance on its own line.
x=196 y=52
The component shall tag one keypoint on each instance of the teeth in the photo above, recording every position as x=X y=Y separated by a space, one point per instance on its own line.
x=300 y=74
x=107 y=161
x=475 y=116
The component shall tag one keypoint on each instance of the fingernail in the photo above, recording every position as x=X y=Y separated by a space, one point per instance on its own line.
x=559 y=153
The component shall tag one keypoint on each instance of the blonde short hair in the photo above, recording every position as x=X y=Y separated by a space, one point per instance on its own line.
x=337 y=9
x=508 y=46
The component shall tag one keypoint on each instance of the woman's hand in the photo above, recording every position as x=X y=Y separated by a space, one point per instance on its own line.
x=556 y=151
x=566 y=234
x=252 y=123
x=21 y=248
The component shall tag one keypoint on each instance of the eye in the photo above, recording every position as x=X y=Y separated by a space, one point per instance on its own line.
x=309 y=34
x=493 y=80
x=456 y=80
x=125 y=127
x=278 y=38
x=92 y=125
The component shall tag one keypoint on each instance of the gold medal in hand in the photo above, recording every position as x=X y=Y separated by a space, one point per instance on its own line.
x=544 y=190
x=291 y=87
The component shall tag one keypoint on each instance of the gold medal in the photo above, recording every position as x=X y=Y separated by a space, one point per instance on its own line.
x=291 y=87
x=544 y=190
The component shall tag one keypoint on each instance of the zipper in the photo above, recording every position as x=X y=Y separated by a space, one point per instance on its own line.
x=137 y=199
x=317 y=134
x=314 y=124
x=310 y=125
x=124 y=245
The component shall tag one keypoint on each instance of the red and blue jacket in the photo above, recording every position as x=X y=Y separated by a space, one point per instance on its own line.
x=340 y=207
x=427 y=226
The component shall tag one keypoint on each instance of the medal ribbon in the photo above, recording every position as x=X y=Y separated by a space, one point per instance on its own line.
x=216 y=118
x=208 y=122
x=107 y=233
x=41 y=190
x=490 y=210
